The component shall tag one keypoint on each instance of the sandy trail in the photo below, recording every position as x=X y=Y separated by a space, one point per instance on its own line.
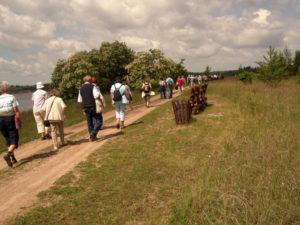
x=25 y=183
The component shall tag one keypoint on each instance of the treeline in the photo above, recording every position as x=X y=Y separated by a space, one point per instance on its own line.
x=275 y=66
x=24 y=88
x=110 y=61
x=18 y=88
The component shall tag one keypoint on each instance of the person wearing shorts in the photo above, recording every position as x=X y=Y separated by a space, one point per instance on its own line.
x=9 y=122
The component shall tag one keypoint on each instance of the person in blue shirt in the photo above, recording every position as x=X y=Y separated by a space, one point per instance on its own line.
x=169 y=83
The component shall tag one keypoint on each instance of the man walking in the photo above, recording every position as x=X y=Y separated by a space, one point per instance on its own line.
x=119 y=101
x=170 y=82
x=88 y=94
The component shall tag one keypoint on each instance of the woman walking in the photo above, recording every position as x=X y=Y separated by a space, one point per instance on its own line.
x=54 y=108
x=146 y=91
x=39 y=97
x=9 y=122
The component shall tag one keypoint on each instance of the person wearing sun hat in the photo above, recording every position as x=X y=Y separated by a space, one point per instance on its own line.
x=39 y=97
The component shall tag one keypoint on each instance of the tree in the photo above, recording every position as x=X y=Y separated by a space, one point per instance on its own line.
x=288 y=59
x=273 y=68
x=113 y=58
x=106 y=63
x=246 y=77
x=180 y=70
x=296 y=63
x=152 y=63
x=57 y=74
x=207 y=71
x=68 y=74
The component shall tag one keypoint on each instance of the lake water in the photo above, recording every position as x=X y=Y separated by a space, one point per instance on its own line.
x=24 y=99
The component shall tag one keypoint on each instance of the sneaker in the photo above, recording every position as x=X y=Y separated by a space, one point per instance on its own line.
x=93 y=138
x=13 y=159
x=43 y=138
x=6 y=157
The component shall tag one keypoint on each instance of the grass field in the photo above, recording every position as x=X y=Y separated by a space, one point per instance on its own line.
x=74 y=115
x=238 y=162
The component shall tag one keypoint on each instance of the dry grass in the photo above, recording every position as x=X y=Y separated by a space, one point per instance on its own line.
x=240 y=168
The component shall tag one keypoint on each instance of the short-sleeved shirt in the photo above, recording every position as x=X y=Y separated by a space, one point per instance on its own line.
x=162 y=83
x=122 y=89
x=169 y=81
x=7 y=104
x=38 y=97
x=179 y=82
x=54 y=109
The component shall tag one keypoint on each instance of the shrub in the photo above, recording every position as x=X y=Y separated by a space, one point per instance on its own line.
x=273 y=68
x=246 y=77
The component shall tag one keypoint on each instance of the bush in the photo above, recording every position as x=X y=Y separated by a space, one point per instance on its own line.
x=246 y=77
x=273 y=68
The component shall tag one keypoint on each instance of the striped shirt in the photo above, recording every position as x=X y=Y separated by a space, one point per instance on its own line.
x=7 y=104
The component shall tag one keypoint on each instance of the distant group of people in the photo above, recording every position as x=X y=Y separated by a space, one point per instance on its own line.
x=203 y=79
x=166 y=86
x=49 y=109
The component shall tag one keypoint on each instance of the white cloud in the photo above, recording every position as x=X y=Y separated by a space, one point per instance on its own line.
x=66 y=46
x=140 y=44
x=222 y=34
x=262 y=16
x=24 y=26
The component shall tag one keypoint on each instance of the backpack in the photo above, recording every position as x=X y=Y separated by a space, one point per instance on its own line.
x=146 y=87
x=117 y=94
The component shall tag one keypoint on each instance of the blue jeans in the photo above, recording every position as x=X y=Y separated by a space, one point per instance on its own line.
x=162 y=91
x=94 y=121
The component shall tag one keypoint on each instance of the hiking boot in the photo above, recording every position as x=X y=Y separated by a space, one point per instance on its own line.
x=13 y=159
x=118 y=126
x=6 y=157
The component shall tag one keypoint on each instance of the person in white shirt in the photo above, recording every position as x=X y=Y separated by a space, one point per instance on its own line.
x=39 y=97
x=119 y=101
x=54 y=109
x=9 y=122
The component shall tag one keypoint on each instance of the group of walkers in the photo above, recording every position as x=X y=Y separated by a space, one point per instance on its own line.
x=166 y=86
x=191 y=79
x=49 y=109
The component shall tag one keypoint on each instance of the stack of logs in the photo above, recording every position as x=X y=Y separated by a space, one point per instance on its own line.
x=196 y=103
x=198 y=100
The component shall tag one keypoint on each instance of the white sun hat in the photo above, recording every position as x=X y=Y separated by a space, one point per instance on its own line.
x=39 y=85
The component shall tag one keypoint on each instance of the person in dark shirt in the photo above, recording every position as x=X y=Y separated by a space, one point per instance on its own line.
x=88 y=94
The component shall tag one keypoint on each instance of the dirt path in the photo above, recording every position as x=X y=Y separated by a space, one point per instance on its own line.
x=39 y=167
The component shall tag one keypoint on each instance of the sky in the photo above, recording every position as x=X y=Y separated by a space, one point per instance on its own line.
x=223 y=34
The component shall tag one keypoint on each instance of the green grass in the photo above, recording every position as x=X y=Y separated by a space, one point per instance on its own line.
x=239 y=168
x=74 y=115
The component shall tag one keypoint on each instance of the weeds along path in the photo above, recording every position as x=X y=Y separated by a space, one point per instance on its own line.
x=39 y=167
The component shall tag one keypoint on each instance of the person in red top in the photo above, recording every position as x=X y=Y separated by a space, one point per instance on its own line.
x=179 y=84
